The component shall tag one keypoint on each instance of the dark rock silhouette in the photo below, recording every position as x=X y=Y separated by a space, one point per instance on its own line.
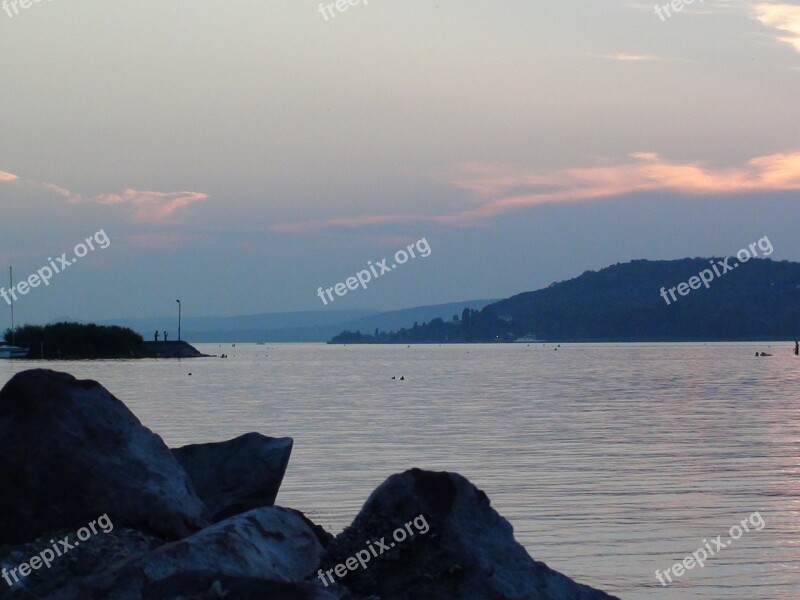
x=206 y=585
x=173 y=349
x=70 y=451
x=238 y=475
x=271 y=543
x=469 y=552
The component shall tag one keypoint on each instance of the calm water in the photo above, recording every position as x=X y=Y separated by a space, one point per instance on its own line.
x=611 y=461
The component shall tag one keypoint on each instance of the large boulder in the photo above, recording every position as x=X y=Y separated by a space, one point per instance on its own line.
x=71 y=452
x=425 y=536
x=209 y=586
x=268 y=544
x=238 y=475
x=98 y=554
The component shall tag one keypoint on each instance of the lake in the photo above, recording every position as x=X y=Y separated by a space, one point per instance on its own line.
x=610 y=460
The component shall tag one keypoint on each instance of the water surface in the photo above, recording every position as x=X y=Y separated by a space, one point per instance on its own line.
x=610 y=461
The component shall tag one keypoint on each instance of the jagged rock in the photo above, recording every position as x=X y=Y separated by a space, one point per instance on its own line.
x=270 y=543
x=70 y=451
x=173 y=349
x=238 y=475
x=96 y=555
x=467 y=551
x=208 y=586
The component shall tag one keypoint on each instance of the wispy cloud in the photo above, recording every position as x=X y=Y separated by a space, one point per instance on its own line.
x=350 y=222
x=499 y=189
x=703 y=7
x=147 y=206
x=784 y=18
x=56 y=189
x=643 y=172
x=638 y=58
x=152 y=206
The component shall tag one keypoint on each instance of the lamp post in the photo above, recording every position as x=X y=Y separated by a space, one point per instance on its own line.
x=179 y=319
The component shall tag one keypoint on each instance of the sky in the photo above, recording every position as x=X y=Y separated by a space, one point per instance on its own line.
x=241 y=155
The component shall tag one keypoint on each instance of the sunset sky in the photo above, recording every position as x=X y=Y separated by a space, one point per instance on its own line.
x=239 y=155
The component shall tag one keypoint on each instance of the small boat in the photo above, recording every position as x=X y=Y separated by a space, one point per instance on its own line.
x=528 y=338
x=12 y=351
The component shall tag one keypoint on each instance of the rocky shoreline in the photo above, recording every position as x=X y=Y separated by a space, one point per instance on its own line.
x=176 y=349
x=132 y=519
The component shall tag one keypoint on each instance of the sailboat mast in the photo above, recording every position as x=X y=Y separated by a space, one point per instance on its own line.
x=11 y=279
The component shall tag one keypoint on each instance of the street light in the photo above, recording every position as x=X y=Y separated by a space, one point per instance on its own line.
x=179 y=319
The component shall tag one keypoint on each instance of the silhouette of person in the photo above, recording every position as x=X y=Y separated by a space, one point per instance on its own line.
x=165 y=337
x=797 y=348
x=156 y=335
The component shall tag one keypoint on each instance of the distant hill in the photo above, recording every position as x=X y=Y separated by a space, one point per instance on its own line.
x=406 y=317
x=759 y=300
x=306 y=326
x=243 y=323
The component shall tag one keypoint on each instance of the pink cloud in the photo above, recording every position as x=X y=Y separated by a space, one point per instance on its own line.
x=150 y=206
x=785 y=18
x=626 y=57
x=499 y=190
x=61 y=191
x=644 y=172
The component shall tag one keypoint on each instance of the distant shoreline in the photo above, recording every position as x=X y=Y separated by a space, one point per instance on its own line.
x=151 y=350
x=788 y=340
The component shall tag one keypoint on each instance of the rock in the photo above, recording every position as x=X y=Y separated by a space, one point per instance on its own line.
x=70 y=452
x=461 y=548
x=174 y=349
x=238 y=475
x=96 y=555
x=270 y=543
x=208 y=586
